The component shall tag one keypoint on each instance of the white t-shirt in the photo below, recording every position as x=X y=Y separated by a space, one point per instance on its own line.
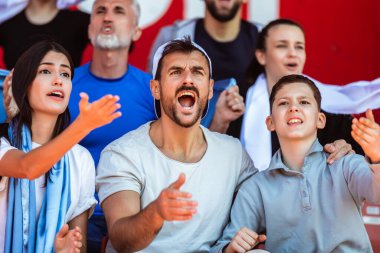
x=82 y=185
x=134 y=163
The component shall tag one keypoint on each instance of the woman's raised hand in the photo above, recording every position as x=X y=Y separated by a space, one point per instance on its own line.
x=98 y=113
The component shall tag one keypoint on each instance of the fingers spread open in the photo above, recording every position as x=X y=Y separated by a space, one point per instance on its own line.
x=179 y=213
x=366 y=126
x=174 y=194
x=369 y=115
x=358 y=138
x=83 y=103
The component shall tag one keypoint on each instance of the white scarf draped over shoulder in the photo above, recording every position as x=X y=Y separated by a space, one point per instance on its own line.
x=352 y=98
x=255 y=136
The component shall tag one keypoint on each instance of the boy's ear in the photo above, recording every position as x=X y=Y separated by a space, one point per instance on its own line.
x=321 y=120
x=270 y=123
x=155 y=89
x=260 y=56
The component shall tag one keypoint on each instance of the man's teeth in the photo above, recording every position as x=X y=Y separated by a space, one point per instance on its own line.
x=293 y=121
x=107 y=29
x=186 y=93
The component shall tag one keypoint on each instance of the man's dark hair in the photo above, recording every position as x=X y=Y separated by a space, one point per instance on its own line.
x=184 y=45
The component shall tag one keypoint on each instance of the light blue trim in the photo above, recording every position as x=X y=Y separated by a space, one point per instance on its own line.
x=219 y=87
x=3 y=74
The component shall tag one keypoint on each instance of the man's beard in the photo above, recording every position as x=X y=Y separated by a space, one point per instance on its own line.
x=110 y=41
x=171 y=111
x=211 y=7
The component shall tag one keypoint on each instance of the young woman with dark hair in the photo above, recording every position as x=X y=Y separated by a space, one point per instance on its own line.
x=47 y=179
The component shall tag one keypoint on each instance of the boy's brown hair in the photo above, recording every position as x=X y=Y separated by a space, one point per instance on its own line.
x=295 y=79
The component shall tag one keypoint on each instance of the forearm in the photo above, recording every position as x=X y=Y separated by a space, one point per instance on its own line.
x=136 y=232
x=38 y=161
x=81 y=221
x=218 y=126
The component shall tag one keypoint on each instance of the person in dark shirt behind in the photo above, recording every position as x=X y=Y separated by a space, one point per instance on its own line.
x=42 y=20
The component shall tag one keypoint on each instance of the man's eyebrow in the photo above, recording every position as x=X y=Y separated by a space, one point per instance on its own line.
x=198 y=67
x=192 y=68
x=100 y=7
x=119 y=7
x=175 y=67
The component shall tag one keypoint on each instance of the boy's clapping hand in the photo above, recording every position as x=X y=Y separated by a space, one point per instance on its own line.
x=366 y=132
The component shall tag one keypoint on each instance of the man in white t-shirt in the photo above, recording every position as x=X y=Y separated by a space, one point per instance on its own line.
x=168 y=186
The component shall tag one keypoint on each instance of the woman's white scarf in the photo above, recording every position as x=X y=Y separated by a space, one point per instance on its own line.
x=255 y=137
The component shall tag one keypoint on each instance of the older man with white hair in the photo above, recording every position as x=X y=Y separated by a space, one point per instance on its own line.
x=113 y=29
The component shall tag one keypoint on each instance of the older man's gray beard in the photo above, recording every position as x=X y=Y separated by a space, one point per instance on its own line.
x=110 y=41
